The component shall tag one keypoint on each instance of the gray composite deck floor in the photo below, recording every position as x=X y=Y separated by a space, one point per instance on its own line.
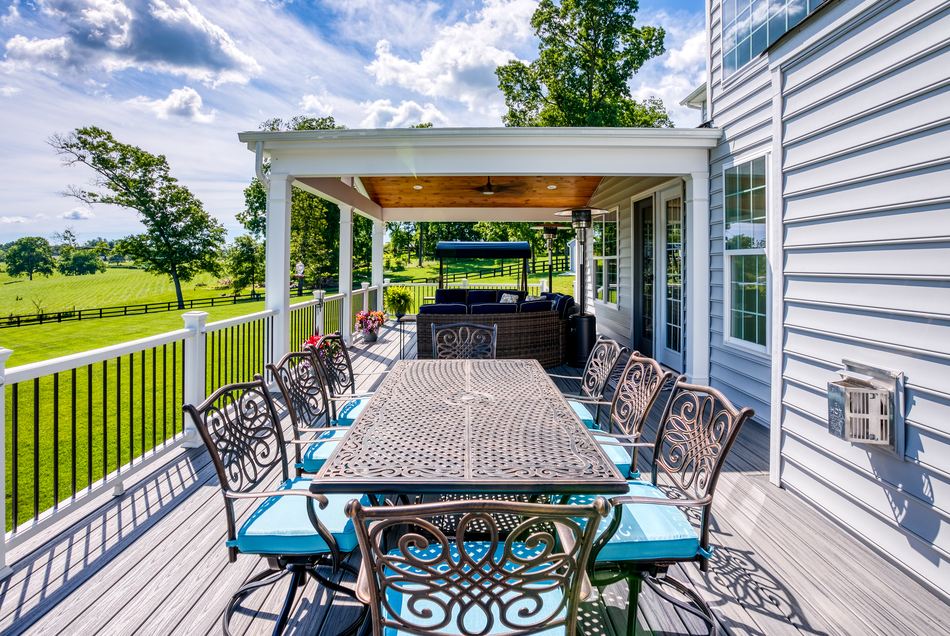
x=153 y=562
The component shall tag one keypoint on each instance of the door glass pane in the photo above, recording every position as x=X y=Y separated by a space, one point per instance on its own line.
x=749 y=294
x=647 y=273
x=674 y=274
x=611 y=269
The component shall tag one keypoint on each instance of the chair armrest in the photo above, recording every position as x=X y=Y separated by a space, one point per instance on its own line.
x=320 y=499
x=350 y=398
x=306 y=442
x=584 y=399
x=631 y=499
x=620 y=442
x=565 y=377
x=363 y=589
x=322 y=429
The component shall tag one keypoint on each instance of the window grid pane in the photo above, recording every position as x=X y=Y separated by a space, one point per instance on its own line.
x=744 y=216
x=748 y=294
x=751 y=26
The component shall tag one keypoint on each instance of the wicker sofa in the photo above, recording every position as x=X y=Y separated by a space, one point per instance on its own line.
x=539 y=335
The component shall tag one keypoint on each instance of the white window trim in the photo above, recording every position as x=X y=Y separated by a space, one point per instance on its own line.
x=727 y=338
x=598 y=261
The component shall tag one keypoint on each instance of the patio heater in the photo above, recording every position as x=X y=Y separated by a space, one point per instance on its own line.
x=549 y=233
x=582 y=327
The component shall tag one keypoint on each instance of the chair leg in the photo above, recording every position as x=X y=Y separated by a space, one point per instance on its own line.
x=296 y=581
x=263 y=579
x=699 y=607
x=353 y=627
x=633 y=596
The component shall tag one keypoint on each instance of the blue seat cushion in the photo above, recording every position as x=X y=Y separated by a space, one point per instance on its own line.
x=351 y=410
x=531 y=306
x=619 y=455
x=316 y=455
x=583 y=413
x=401 y=598
x=444 y=308
x=647 y=532
x=493 y=308
x=281 y=525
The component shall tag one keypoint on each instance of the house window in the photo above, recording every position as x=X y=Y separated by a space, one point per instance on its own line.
x=605 y=258
x=744 y=237
x=751 y=26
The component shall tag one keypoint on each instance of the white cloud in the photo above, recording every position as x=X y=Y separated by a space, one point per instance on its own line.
x=77 y=214
x=460 y=63
x=9 y=91
x=10 y=220
x=170 y=36
x=316 y=105
x=181 y=102
x=382 y=114
x=12 y=15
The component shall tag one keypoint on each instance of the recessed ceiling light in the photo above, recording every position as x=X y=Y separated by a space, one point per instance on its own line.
x=552 y=186
x=418 y=186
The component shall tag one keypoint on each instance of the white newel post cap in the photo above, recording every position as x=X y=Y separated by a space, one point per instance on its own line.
x=386 y=281
x=318 y=294
x=364 y=285
x=195 y=319
x=4 y=355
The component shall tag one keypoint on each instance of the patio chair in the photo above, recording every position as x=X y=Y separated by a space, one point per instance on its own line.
x=593 y=382
x=480 y=579
x=296 y=531
x=303 y=387
x=463 y=340
x=649 y=529
x=337 y=368
x=640 y=384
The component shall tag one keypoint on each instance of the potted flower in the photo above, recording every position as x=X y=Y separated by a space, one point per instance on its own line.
x=398 y=300
x=368 y=323
x=322 y=346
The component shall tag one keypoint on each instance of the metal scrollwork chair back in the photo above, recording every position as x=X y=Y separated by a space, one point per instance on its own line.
x=336 y=363
x=464 y=341
x=303 y=387
x=593 y=382
x=523 y=581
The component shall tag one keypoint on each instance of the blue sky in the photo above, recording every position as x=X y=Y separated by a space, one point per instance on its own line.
x=182 y=78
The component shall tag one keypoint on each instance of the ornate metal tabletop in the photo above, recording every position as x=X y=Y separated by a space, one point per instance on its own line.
x=464 y=426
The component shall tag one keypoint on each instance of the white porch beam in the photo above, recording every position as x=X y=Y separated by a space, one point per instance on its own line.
x=697 y=277
x=346 y=270
x=379 y=237
x=341 y=193
x=277 y=260
x=472 y=214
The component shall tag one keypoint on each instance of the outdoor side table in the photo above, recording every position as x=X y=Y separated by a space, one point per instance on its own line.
x=402 y=320
x=468 y=426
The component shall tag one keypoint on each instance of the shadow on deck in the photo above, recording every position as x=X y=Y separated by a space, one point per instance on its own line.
x=153 y=561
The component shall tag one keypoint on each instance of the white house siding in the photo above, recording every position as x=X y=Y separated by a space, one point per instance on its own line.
x=618 y=192
x=742 y=108
x=865 y=157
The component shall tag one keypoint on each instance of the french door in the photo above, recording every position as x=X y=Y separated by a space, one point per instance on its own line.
x=644 y=242
x=668 y=281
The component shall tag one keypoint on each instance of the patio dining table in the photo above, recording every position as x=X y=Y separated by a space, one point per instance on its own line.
x=468 y=426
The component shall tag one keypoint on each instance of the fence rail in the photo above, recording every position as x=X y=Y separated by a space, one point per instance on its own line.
x=559 y=264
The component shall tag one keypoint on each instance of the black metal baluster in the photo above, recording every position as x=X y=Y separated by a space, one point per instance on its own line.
x=229 y=376
x=209 y=355
x=88 y=425
x=16 y=454
x=105 y=418
x=55 y=439
x=142 y=398
x=131 y=406
x=118 y=412
x=72 y=428
x=164 y=394
x=154 y=406
x=180 y=411
x=218 y=336
x=239 y=339
x=175 y=408
x=36 y=447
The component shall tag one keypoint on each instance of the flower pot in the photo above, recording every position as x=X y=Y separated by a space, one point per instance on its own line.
x=369 y=336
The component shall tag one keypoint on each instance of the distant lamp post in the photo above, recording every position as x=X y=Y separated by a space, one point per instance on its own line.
x=299 y=268
x=549 y=234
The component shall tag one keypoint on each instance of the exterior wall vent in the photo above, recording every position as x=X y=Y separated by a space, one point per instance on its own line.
x=866 y=407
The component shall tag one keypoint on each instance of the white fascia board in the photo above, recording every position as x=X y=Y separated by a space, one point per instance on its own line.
x=472 y=214
x=341 y=193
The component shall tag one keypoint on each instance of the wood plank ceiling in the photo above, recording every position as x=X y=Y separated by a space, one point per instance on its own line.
x=466 y=192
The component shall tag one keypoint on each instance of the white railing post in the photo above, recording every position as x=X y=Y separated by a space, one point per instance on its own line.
x=318 y=295
x=5 y=569
x=465 y=283
x=365 y=287
x=544 y=286
x=381 y=296
x=195 y=362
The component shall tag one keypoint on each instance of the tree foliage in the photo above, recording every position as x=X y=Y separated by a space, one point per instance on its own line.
x=28 y=256
x=245 y=263
x=181 y=239
x=588 y=52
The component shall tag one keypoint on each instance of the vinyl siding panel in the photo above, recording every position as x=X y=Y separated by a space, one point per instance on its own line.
x=865 y=159
x=742 y=108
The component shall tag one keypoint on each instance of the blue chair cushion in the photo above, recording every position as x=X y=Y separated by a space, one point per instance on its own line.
x=534 y=306
x=316 y=455
x=348 y=413
x=583 y=413
x=281 y=525
x=494 y=308
x=444 y=308
x=477 y=296
x=549 y=597
x=647 y=532
x=451 y=295
x=619 y=455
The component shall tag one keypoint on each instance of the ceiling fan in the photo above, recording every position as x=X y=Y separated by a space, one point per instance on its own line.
x=489 y=188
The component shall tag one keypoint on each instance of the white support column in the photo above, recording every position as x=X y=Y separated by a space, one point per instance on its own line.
x=5 y=569
x=346 y=270
x=277 y=262
x=697 y=277
x=379 y=237
x=318 y=295
x=195 y=361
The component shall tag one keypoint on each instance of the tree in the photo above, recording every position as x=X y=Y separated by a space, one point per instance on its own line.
x=588 y=52
x=245 y=262
x=29 y=255
x=78 y=261
x=181 y=239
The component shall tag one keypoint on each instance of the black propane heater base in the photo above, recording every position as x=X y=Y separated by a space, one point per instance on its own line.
x=582 y=335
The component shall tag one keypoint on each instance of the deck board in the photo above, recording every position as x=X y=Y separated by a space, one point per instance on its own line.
x=153 y=561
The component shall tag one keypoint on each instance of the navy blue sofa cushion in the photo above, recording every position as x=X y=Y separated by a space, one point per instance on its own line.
x=478 y=296
x=450 y=296
x=493 y=308
x=443 y=308
x=530 y=306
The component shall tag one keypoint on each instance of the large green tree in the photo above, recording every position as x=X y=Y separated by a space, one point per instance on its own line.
x=588 y=52
x=28 y=256
x=245 y=263
x=181 y=239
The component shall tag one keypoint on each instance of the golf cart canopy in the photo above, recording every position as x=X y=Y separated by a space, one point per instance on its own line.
x=483 y=249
